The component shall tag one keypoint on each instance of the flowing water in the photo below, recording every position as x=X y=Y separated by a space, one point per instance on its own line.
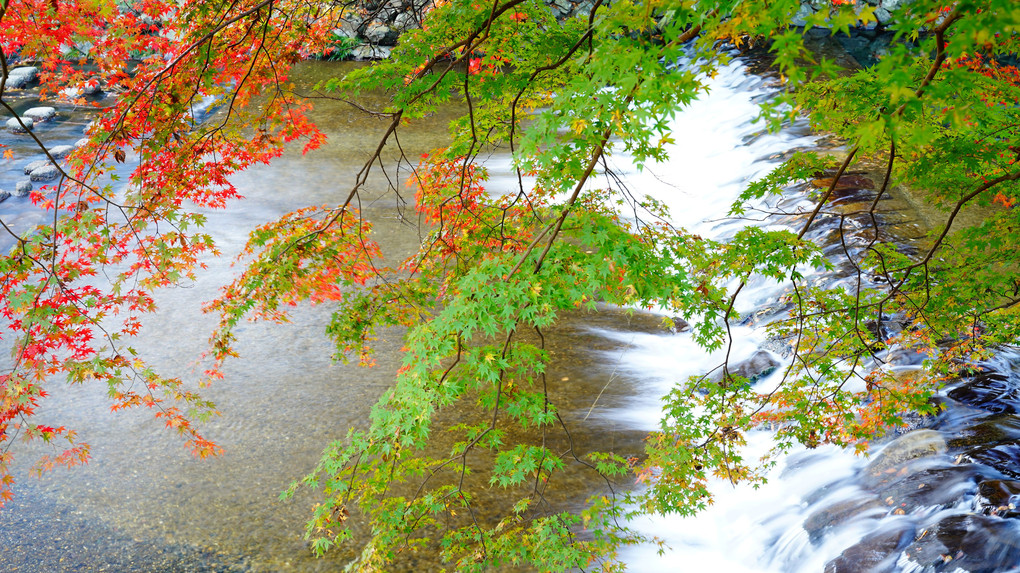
x=143 y=504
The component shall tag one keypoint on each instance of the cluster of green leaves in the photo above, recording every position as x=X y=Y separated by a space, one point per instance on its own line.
x=498 y=267
x=562 y=96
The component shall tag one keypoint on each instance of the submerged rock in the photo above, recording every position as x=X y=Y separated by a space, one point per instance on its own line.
x=893 y=458
x=875 y=553
x=837 y=514
x=989 y=431
x=999 y=497
x=932 y=487
x=1003 y=457
x=990 y=391
x=966 y=542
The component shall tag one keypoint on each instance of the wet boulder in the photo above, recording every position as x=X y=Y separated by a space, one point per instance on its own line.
x=892 y=462
x=932 y=487
x=46 y=173
x=60 y=151
x=988 y=431
x=990 y=391
x=24 y=126
x=839 y=513
x=999 y=497
x=968 y=542
x=758 y=366
x=1003 y=457
x=876 y=552
x=678 y=324
x=23 y=188
x=30 y=167
x=4 y=195
x=41 y=113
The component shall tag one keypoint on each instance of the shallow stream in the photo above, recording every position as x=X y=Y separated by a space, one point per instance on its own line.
x=143 y=504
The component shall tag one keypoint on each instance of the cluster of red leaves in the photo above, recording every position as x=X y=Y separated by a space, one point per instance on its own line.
x=1002 y=93
x=76 y=289
x=450 y=193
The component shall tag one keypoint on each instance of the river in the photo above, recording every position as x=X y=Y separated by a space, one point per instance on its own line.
x=144 y=504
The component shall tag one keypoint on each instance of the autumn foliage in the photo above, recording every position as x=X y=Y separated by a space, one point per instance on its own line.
x=498 y=266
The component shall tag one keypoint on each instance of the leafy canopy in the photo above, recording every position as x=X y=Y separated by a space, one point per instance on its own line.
x=939 y=111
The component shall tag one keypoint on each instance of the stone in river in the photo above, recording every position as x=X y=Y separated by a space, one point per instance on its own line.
x=24 y=187
x=30 y=72
x=999 y=497
x=19 y=78
x=965 y=542
x=758 y=366
x=876 y=552
x=990 y=391
x=4 y=195
x=41 y=113
x=16 y=127
x=891 y=462
x=1003 y=457
x=846 y=182
x=930 y=488
x=29 y=168
x=60 y=151
x=989 y=431
x=45 y=173
x=821 y=521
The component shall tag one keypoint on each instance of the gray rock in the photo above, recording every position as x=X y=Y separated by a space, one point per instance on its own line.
x=4 y=195
x=758 y=366
x=883 y=16
x=29 y=73
x=825 y=519
x=41 y=113
x=381 y=34
x=404 y=21
x=45 y=173
x=800 y=18
x=81 y=142
x=876 y=553
x=60 y=151
x=23 y=188
x=908 y=447
x=91 y=87
x=16 y=82
x=370 y=52
x=36 y=165
x=15 y=127
x=965 y=542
